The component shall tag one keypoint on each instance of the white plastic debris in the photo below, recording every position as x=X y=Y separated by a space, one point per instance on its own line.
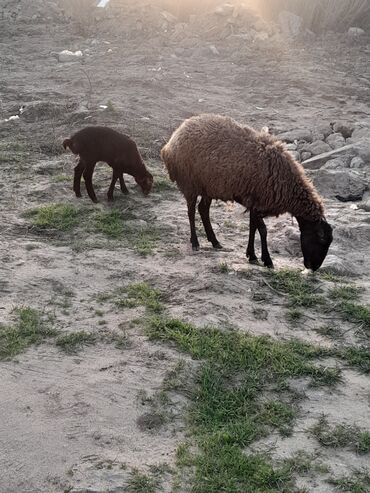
x=69 y=56
x=12 y=118
x=306 y=272
x=103 y=106
x=103 y=3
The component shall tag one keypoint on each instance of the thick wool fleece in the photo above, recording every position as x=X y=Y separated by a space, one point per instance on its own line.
x=215 y=156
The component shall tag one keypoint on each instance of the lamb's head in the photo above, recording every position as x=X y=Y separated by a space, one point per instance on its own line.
x=145 y=182
x=316 y=237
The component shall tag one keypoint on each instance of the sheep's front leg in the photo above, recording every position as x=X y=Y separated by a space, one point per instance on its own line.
x=112 y=185
x=123 y=184
x=251 y=254
x=191 y=213
x=266 y=259
x=79 y=169
x=87 y=174
x=203 y=208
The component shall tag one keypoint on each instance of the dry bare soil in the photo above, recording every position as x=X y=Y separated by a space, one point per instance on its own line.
x=129 y=362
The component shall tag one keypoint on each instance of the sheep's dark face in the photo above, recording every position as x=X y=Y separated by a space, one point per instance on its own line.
x=145 y=183
x=316 y=238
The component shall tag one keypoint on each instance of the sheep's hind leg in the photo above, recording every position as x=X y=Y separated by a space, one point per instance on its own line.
x=87 y=174
x=251 y=254
x=123 y=185
x=266 y=259
x=203 y=208
x=191 y=213
x=79 y=169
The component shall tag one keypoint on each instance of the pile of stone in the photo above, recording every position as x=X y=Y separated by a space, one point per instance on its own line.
x=336 y=156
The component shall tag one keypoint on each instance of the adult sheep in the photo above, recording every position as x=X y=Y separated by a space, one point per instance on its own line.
x=217 y=158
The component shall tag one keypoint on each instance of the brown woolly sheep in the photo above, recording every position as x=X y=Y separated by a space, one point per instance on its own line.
x=217 y=158
x=95 y=144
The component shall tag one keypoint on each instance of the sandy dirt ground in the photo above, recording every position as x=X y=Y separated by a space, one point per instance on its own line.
x=63 y=417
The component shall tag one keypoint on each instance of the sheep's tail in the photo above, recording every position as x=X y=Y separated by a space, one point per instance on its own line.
x=166 y=158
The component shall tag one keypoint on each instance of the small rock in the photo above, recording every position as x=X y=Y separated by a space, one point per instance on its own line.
x=225 y=10
x=357 y=162
x=336 y=140
x=365 y=206
x=305 y=155
x=296 y=155
x=355 y=32
x=214 y=50
x=291 y=147
x=298 y=134
x=359 y=133
x=343 y=128
x=335 y=265
x=290 y=24
x=344 y=185
x=324 y=130
x=336 y=163
x=69 y=56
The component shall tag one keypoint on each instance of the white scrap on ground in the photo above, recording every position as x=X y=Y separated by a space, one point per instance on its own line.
x=103 y=3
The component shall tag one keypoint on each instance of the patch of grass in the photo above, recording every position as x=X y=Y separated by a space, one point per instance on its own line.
x=303 y=463
x=73 y=342
x=347 y=293
x=141 y=294
x=358 y=357
x=293 y=315
x=355 y=313
x=163 y=184
x=340 y=436
x=142 y=483
x=143 y=239
x=357 y=482
x=223 y=268
x=14 y=152
x=29 y=329
x=109 y=223
x=61 y=178
x=330 y=331
x=227 y=411
x=62 y=217
x=301 y=290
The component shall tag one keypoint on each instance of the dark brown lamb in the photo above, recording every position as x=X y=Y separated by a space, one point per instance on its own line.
x=94 y=144
x=217 y=158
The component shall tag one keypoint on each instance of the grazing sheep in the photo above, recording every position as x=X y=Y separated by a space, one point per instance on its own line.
x=95 y=144
x=217 y=158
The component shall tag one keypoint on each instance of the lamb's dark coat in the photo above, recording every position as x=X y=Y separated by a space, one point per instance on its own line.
x=94 y=144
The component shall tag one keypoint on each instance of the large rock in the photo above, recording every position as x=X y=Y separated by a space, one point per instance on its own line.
x=365 y=206
x=336 y=163
x=360 y=133
x=317 y=147
x=362 y=149
x=336 y=140
x=344 y=185
x=297 y=134
x=290 y=24
x=357 y=162
x=355 y=32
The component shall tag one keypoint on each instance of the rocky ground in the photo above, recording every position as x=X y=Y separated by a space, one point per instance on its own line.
x=88 y=401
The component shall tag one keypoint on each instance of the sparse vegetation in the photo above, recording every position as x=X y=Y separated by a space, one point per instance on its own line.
x=109 y=222
x=357 y=314
x=142 y=483
x=357 y=482
x=140 y=294
x=227 y=413
x=62 y=217
x=29 y=329
x=73 y=342
x=340 y=436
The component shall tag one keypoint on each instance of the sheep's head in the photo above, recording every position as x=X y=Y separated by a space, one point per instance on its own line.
x=145 y=183
x=316 y=237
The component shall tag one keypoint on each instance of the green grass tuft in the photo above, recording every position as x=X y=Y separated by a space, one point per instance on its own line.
x=109 y=223
x=141 y=294
x=28 y=329
x=357 y=482
x=141 y=483
x=340 y=436
x=73 y=342
x=62 y=217
x=345 y=293
x=355 y=313
x=357 y=357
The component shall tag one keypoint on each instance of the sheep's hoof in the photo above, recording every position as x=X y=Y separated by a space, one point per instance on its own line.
x=125 y=192
x=253 y=260
x=110 y=199
x=269 y=265
x=217 y=246
x=96 y=201
x=78 y=195
x=195 y=248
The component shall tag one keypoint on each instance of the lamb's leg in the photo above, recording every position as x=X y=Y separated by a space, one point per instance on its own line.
x=123 y=184
x=87 y=174
x=191 y=213
x=266 y=259
x=115 y=177
x=203 y=209
x=251 y=254
x=79 y=169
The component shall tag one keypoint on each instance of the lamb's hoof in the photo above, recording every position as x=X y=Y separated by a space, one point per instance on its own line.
x=269 y=265
x=78 y=195
x=253 y=260
x=96 y=201
x=125 y=192
x=110 y=199
x=195 y=248
x=217 y=246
